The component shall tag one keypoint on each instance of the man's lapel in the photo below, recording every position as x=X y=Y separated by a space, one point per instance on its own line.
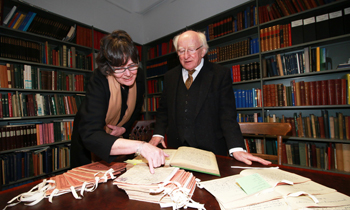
x=207 y=77
x=174 y=82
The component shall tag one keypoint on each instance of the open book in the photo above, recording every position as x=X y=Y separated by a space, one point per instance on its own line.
x=190 y=158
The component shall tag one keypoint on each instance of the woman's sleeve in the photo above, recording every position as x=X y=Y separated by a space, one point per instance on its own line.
x=93 y=114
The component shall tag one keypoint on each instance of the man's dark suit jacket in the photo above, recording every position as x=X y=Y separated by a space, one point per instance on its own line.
x=216 y=127
x=88 y=130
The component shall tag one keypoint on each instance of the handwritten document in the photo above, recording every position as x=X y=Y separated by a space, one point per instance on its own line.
x=274 y=176
x=140 y=174
x=325 y=200
x=230 y=195
x=252 y=183
x=310 y=187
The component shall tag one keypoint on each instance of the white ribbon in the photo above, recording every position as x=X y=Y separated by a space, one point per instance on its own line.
x=296 y=194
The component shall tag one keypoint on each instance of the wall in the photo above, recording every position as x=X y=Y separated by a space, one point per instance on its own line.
x=170 y=16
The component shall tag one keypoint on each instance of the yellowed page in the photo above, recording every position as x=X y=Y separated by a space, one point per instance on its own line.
x=225 y=189
x=139 y=174
x=196 y=159
x=326 y=200
x=310 y=187
x=170 y=152
x=229 y=194
x=273 y=176
x=253 y=199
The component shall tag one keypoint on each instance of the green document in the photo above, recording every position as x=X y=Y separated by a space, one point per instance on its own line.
x=252 y=183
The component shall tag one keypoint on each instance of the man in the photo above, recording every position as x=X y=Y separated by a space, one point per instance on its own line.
x=197 y=106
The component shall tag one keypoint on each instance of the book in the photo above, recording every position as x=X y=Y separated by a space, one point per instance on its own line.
x=322 y=26
x=190 y=158
x=10 y=15
x=30 y=20
x=309 y=29
x=297 y=31
x=336 y=23
x=346 y=20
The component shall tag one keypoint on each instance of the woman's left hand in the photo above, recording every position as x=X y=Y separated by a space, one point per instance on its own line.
x=116 y=130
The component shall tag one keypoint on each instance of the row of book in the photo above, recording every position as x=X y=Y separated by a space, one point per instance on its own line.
x=234 y=50
x=326 y=156
x=334 y=23
x=31 y=22
x=65 y=56
x=45 y=53
x=281 y=8
x=21 y=21
x=84 y=36
x=31 y=77
x=237 y=22
x=248 y=98
x=30 y=163
x=324 y=126
x=156 y=68
x=21 y=105
x=97 y=37
x=243 y=117
x=256 y=146
x=317 y=155
x=312 y=126
x=308 y=60
x=155 y=85
x=275 y=37
x=153 y=103
x=160 y=49
x=245 y=72
x=323 y=92
x=38 y=133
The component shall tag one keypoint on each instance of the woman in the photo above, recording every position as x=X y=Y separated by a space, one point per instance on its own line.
x=113 y=101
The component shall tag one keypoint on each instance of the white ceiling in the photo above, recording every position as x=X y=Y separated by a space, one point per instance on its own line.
x=141 y=7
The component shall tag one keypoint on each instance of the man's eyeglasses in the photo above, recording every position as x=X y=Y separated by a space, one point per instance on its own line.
x=189 y=51
x=119 y=70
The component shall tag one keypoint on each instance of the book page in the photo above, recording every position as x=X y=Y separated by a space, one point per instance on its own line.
x=326 y=200
x=273 y=176
x=310 y=187
x=195 y=159
x=170 y=152
x=225 y=189
x=139 y=174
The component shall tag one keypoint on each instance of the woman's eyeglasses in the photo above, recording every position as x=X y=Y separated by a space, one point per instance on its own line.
x=119 y=70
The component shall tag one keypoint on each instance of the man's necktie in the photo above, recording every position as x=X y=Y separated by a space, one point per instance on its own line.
x=189 y=79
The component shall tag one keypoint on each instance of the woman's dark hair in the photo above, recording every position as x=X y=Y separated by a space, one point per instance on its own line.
x=116 y=49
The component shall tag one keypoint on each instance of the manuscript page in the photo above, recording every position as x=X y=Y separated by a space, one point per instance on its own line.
x=196 y=160
x=274 y=176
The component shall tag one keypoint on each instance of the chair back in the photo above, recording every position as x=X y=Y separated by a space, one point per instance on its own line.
x=142 y=130
x=275 y=129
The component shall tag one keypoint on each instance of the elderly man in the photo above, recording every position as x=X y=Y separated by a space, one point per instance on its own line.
x=197 y=106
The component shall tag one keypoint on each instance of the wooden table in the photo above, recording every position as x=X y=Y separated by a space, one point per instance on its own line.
x=108 y=196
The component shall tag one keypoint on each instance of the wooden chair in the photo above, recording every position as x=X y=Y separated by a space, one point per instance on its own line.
x=276 y=129
x=142 y=130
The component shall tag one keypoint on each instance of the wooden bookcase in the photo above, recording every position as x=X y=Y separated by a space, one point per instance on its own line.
x=35 y=139
x=337 y=47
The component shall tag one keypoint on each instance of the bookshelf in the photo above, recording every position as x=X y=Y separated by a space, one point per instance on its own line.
x=44 y=72
x=253 y=71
